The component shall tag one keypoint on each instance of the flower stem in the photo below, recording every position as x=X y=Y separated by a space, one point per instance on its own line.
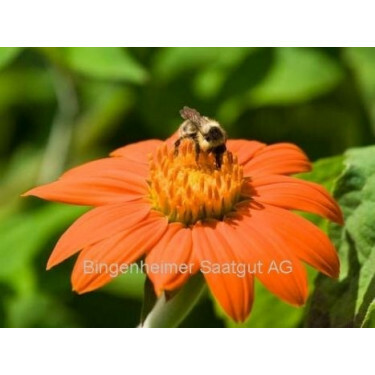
x=170 y=312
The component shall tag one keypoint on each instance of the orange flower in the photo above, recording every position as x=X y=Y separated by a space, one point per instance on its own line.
x=176 y=210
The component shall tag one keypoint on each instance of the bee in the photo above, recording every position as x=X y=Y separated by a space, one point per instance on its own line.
x=207 y=134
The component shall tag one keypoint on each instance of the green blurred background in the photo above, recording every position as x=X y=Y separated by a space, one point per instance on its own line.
x=60 y=107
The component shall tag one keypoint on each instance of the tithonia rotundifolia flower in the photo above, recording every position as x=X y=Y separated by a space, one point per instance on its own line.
x=192 y=205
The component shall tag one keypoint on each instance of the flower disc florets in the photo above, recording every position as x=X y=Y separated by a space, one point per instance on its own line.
x=187 y=189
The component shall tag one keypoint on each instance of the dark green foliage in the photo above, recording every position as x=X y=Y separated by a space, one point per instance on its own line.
x=348 y=302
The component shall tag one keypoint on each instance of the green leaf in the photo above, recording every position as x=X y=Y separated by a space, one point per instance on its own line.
x=36 y=88
x=7 y=55
x=107 y=105
x=21 y=168
x=38 y=310
x=369 y=321
x=171 y=62
x=325 y=172
x=24 y=235
x=127 y=285
x=108 y=63
x=362 y=62
x=213 y=79
x=298 y=75
x=345 y=303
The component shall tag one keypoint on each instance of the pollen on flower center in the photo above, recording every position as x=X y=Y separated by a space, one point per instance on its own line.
x=188 y=190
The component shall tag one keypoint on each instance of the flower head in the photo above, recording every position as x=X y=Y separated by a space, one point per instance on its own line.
x=182 y=209
x=187 y=189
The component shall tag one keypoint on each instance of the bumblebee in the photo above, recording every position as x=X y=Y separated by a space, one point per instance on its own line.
x=207 y=134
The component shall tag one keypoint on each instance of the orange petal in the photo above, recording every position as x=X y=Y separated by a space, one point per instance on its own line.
x=244 y=149
x=280 y=158
x=96 y=225
x=257 y=242
x=108 y=167
x=139 y=151
x=295 y=194
x=173 y=251
x=234 y=293
x=121 y=249
x=93 y=191
x=305 y=240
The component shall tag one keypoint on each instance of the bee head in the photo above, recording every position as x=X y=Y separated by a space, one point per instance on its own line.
x=214 y=134
x=210 y=132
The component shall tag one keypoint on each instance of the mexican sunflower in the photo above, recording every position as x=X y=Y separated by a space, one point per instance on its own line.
x=149 y=203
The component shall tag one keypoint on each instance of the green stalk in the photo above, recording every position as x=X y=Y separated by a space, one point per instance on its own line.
x=169 y=312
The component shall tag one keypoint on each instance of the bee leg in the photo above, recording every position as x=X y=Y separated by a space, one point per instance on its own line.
x=218 y=152
x=197 y=151
x=218 y=160
x=178 y=142
x=177 y=145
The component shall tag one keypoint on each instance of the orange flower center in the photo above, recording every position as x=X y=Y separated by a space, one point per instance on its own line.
x=188 y=190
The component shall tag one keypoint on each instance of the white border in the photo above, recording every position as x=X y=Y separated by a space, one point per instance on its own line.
x=194 y=351
x=192 y=23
